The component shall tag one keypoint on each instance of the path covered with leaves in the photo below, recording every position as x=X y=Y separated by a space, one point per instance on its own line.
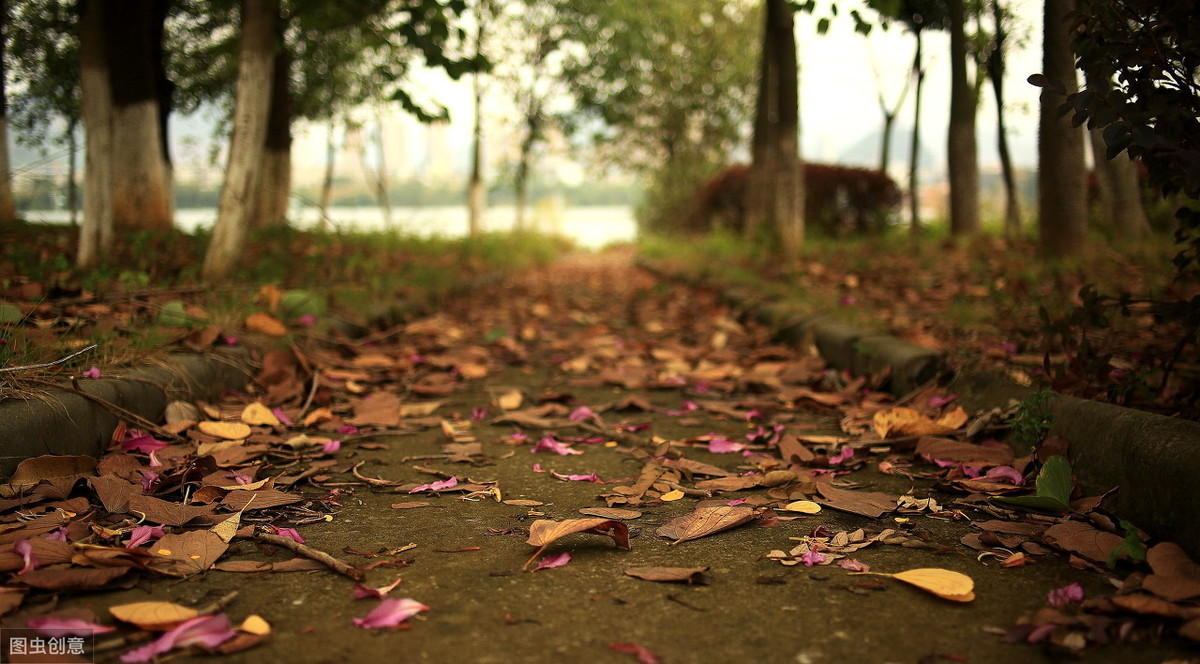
x=579 y=464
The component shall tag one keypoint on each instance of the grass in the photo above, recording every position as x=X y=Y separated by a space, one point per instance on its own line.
x=978 y=300
x=359 y=279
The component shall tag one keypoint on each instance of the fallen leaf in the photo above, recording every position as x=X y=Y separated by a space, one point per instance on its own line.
x=1083 y=539
x=689 y=575
x=186 y=554
x=264 y=323
x=947 y=584
x=946 y=449
x=901 y=421
x=873 y=504
x=705 y=521
x=156 y=616
x=670 y=496
x=804 y=507
x=610 y=513
x=544 y=531
x=225 y=430
x=255 y=624
x=258 y=414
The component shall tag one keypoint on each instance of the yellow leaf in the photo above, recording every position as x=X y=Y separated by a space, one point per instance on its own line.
x=954 y=419
x=420 y=408
x=804 y=507
x=900 y=421
x=510 y=400
x=226 y=430
x=256 y=413
x=944 y=583
x=671 y=495
x=153 y=615
x=255 y=624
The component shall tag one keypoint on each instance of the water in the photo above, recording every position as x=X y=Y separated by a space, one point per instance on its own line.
x=590 y=227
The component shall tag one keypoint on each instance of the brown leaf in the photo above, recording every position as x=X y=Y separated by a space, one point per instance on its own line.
x=49 y=466
x=10 y=599
x=62 y=577
x=115 y=493
x=871 y=504
x=610 y=512
x=544 y=531
x=705 y=521
x=420 y=408
x=1146 y=605
x=689 y=575
x=165 y=512
x=1176 y=577
x=1083 y=539
x=377 y=409
x=945 y=449
x=187 y=554
x=730 y=483
x=48 y=552
x=257 y=500
x=901 y=421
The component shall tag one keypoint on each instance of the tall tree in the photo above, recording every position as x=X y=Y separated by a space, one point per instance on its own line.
x=274 y=188
x=96 y=230
x=890 y=112
x=996 y=68
x=8 y=207
x=775 y=187
x=961 y=150
x=484 y=14
x=1118 y=191
x=256 y=59
x=1062 y=187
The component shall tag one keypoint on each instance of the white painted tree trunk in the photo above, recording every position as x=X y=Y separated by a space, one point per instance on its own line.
x=95 y=232
x=141 y=177
x=251 y=106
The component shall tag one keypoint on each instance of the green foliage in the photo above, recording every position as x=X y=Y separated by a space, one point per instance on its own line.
x=1031 y=421
x=1132 y=547
x=43 y=54
x=1053 y=488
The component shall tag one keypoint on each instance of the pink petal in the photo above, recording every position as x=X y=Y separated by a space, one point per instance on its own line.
x=347 y=429
x=94 y=372
x=722 y=445
x=840 y=457
x=593 y=477
x=390 y=612
x=332 y=446
x=550 y=562
x=149 y=477
x=644 y=655
x=282 y=416
x=436 y=486
x=67 y=626
x=142 y=534
x=537 y=468
x=852 y=565
x=738 y=501
x=290 y=533
x=24 y=549
x=58 y=534
x=305 y=320
x=938 y=402
x=1006 y=474
x=813 y=557
x=1068 y=594
x=142 y=442
x=549 y=444
x=581 y=413
x=231 y=340
x=204 y=631
x=478 y=414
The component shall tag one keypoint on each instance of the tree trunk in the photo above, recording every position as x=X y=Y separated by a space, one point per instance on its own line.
x=996 y=68
x=380 y=180
x=889 y=119
x=961 y=153
x=775 y=187
x=327 y=181
x=96 y=231
x=533 y=129
x=72 y=186
x=1118 y=191
x=252 y=105
x=275 y=162
x=914 y=151
x=8 y=207
x=141 y=174
x=1062 y=188
x=476 y=194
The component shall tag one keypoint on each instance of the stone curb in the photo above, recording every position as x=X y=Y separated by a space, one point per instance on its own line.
x=1153 y=460
x=62 y=422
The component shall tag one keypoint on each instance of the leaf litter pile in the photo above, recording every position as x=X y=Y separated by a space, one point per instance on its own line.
x=181 y=497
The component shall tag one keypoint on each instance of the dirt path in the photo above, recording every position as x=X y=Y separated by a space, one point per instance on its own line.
x=685 y=405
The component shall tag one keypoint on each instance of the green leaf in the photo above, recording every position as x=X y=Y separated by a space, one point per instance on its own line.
x=173 y=314
x=1053 y=491
x=822 y=26
x=10 y=313
x=298 y=302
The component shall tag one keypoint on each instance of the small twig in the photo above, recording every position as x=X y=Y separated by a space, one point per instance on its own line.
x=373 y=481
x=695 y=493
x=45 y=365
x=341 y=567
x=312 y=393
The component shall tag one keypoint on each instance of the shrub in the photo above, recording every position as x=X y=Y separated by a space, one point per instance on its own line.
x=839 y=200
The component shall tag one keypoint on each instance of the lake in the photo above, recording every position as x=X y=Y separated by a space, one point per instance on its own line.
x=590 y=227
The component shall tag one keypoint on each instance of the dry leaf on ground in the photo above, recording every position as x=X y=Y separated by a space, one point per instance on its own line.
x=705 y=521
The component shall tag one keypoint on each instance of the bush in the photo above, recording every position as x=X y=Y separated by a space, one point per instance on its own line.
x=839 y=200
